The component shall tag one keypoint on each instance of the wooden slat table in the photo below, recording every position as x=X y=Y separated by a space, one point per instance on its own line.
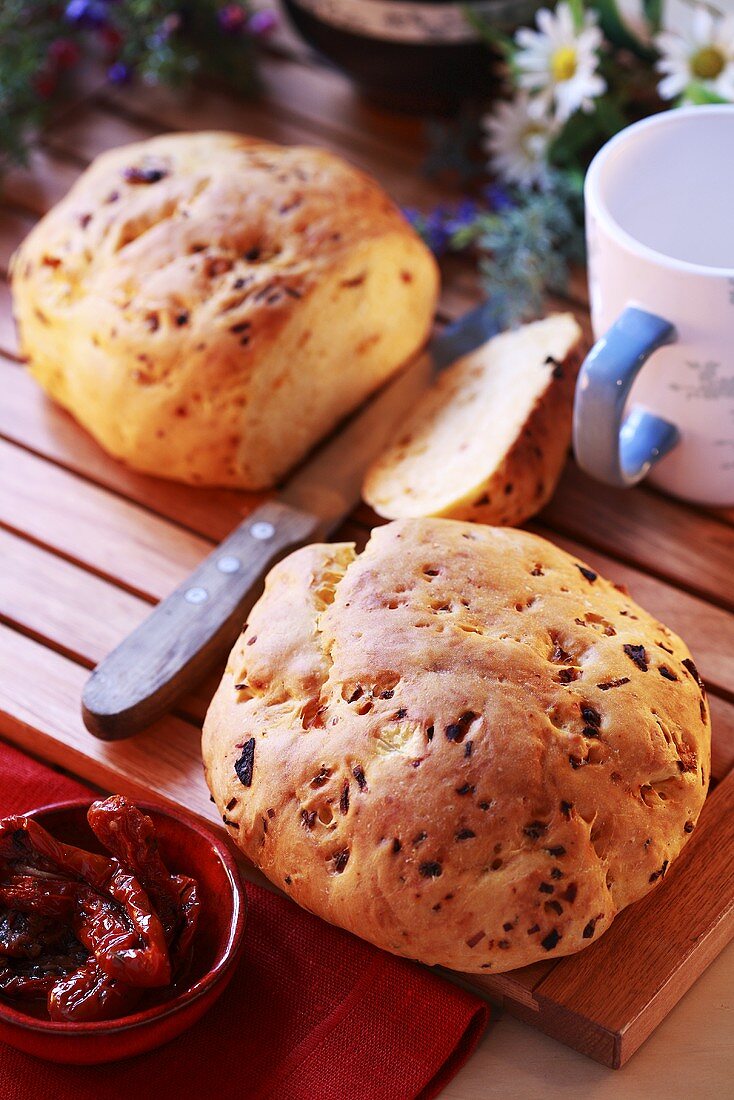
x=88 y=546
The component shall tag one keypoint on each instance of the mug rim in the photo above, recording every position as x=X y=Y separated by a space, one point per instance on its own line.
x=596 y=206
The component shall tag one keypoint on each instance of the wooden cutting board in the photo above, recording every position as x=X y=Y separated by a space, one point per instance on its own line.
x=87 y=547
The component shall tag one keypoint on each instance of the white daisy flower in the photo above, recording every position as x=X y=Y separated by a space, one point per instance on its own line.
x=705 y=56
x=519 y=132
x=559 y=60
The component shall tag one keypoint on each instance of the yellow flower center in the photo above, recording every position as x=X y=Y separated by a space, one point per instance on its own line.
x=707 y=63
x=563 y=64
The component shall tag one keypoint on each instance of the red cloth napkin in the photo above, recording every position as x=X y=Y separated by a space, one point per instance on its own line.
x=311 y=1014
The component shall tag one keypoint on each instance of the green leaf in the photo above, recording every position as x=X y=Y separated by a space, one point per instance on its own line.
x=585 y=133
x=577 y=12
x=616 y=32
x=609 y=115
x=698 y=94
x=526 y=250
x=578 y=132
x=488 y=33
x=654 y=12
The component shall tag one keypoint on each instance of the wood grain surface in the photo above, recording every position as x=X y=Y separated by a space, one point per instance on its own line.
x=88 y=547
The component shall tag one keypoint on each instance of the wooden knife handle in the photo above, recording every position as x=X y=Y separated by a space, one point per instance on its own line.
x=180 y=640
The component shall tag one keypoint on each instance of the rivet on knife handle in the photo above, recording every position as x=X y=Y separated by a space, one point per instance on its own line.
x=183 y=636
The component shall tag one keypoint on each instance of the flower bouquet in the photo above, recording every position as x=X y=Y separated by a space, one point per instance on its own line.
x=42 y=44
x=584 y=72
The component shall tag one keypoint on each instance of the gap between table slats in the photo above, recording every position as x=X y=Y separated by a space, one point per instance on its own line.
x=41 y=692
x=647 y=529
x=118 y=540
x=32 y=421
x=75 y=612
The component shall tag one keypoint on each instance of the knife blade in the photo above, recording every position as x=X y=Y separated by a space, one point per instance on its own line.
x=189 y=630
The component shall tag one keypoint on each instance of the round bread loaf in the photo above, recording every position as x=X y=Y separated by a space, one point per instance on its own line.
x=208 y=306
x=462 y=744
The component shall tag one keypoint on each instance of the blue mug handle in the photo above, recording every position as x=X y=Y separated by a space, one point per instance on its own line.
x=612 y=449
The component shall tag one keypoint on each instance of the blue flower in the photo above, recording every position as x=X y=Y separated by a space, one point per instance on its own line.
x=497 y=197
x=435 y=231
x=461 y=216
x=86 y=13
x=119 y=73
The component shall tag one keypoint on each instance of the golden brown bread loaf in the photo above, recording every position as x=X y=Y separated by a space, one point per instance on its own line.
x=488 y=441
x=463 y=744
x=208 y=305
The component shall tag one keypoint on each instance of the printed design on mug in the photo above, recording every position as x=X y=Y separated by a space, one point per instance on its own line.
x=710 y=383
x=407 y=22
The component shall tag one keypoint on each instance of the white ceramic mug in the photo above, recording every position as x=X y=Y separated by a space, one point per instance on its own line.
x=657 y=391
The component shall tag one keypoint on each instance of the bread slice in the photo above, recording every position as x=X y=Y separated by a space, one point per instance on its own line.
x=487 y=442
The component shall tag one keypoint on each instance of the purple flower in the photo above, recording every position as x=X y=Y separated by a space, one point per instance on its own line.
x=232 y=18
x=119 y=73
x=171 y=24
x=262 y=22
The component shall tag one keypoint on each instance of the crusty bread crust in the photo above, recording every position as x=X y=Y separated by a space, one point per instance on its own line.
x=463 y=744
x=410 y=478
x=208 y=305
x=528 y=476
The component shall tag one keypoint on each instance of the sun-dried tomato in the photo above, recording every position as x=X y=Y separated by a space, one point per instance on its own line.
x=89 y=994
x=90 y=932
x=130 y=835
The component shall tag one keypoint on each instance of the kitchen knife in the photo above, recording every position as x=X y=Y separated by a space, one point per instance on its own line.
x=186 y=633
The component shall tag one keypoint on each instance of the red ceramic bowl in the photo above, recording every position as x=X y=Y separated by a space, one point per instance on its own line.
x=187 y=848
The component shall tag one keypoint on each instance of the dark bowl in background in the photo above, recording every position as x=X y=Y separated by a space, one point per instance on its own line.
x=409 y=55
